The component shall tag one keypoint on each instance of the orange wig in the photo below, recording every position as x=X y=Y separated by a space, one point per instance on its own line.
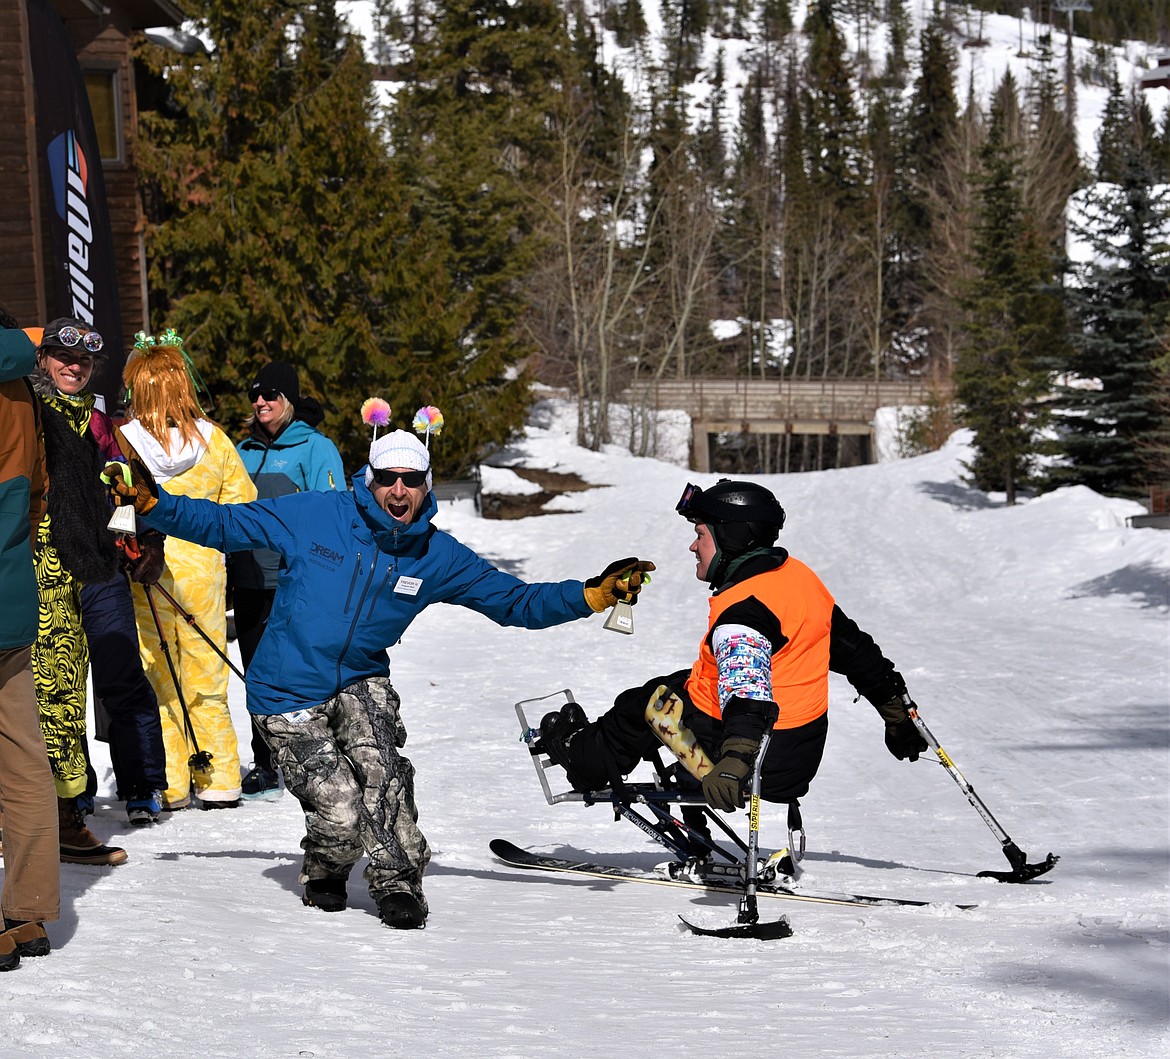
x=162 y=394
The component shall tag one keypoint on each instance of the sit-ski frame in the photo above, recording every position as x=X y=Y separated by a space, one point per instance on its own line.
x=679 y=837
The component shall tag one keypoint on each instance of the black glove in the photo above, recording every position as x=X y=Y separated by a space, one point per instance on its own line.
x=723 y=786
x=618 y=582
x=147 y=568
x=903 y=739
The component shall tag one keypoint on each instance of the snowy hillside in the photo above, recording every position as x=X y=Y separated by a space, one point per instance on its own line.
x=991 y=45
x=1036 y=640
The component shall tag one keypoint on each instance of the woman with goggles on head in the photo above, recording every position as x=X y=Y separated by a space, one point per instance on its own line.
x=78 y=570
x=284 y=453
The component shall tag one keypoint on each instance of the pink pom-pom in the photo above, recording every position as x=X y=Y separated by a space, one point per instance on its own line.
x=428 y=420
x=375 y=412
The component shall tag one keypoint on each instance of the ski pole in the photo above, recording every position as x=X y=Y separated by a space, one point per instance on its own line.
x=190 y=620
x=1021 y=871
x=200 y=760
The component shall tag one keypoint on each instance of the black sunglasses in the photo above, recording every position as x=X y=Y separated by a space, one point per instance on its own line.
x=410 y=479
x=269 y=394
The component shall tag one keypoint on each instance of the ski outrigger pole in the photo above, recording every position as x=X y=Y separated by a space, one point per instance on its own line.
x=1021 y=871
x=748 y=923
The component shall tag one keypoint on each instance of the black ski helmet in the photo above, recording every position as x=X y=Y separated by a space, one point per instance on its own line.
x=741 y=516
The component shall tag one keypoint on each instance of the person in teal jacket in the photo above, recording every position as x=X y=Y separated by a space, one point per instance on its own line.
x=31 y=891
x=284 y=453
x=359 y=567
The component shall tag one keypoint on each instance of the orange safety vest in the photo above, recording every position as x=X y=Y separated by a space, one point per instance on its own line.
x=800 y=669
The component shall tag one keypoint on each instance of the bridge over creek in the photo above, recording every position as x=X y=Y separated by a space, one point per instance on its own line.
x=797 y=411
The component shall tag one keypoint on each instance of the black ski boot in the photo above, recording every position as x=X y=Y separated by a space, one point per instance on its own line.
x=402 y=910
x=327 y=894
x=573 y=742
x=700 y=840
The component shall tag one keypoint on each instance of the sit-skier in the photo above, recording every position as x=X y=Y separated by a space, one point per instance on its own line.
x=773 y=634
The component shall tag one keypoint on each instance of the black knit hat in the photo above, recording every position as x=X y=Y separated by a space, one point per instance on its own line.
x=277 y=376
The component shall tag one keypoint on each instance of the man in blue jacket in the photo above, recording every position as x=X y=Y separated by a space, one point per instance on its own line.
x=359 y=567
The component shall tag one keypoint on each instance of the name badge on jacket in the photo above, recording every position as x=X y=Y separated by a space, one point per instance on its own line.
x=407 y=586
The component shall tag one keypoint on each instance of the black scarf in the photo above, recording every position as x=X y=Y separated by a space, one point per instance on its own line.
x=79 y=505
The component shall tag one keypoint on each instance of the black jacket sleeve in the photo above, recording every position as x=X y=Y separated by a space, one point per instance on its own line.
x=752 y=613
x=854 y=654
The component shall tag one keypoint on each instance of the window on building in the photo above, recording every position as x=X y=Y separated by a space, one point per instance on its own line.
x=102 y=88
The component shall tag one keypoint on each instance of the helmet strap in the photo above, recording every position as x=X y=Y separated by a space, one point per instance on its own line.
x=715 y=569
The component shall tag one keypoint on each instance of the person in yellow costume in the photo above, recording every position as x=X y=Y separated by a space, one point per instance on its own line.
x=183 y=448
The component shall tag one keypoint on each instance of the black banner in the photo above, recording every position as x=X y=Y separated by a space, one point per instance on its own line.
x=85 y=277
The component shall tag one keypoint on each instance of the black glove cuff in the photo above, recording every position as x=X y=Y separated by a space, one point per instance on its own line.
x=893 y=710
x=748 y=718
x=882 y=691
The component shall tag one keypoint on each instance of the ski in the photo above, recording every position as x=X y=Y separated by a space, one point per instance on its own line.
x=517 y=857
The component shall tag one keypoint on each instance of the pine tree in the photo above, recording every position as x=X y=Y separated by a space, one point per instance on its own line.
x=711 y=146
x=586 y=289
x=1051 y=167
x=684 y=22
x=474 y=140
x=1160 y=150
x=1117 y=416
x=924 y=135
x=1115 y=133
x=832 y=125
x=999 y=380
x=278 y=230
x=627 y=20
x=775 y=21
x=752 y=228
x=898 y=29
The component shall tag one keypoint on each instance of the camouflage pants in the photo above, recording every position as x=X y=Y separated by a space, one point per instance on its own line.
x=341 y=760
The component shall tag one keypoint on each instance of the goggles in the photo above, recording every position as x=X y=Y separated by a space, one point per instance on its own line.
x=410 y=479
x=688 y=500
x=269 y=394
x=70 y=336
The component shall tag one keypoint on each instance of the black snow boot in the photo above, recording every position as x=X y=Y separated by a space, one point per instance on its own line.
x=574 y=742
x=402 y=910
x=326 y=894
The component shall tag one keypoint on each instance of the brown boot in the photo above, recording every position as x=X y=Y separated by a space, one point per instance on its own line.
x=30 y=937
x=79 y=845
x=9 y=957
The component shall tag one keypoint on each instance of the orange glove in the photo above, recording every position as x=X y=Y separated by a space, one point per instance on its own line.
x=140 y=490
x=618 y=582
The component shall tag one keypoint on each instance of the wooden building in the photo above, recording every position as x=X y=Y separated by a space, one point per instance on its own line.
x=102 y=33
x=1159 y=76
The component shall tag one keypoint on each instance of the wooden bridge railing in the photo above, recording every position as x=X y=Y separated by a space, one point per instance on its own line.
x=776 y=406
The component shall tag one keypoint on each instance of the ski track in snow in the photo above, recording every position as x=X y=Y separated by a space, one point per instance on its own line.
x=1033 y=638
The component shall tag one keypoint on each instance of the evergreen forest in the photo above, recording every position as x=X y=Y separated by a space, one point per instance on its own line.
x=486 y=194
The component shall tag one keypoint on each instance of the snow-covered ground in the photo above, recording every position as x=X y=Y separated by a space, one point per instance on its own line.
x=1036 y=640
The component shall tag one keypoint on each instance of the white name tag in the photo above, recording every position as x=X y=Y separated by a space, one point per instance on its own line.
x=407 y=586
